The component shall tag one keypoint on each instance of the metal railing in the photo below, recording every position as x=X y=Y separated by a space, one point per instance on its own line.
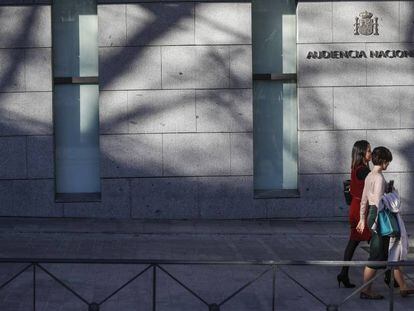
x=160 y=265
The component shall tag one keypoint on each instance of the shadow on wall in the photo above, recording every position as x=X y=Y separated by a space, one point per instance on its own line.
x=206 y=196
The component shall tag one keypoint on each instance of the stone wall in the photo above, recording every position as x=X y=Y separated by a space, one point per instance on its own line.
x=343 y=100
x=176 y=109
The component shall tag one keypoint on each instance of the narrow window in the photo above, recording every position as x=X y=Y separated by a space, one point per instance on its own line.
x=274 y=98
x=75 y=100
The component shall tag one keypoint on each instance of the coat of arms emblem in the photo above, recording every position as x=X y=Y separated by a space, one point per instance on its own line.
x=366 y=25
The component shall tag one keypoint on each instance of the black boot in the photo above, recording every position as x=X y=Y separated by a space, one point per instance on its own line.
x=345 y=280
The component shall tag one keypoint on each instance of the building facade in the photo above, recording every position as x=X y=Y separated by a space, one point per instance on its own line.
x=199 y=109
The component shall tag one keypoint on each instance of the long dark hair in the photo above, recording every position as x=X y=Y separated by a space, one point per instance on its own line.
x=358 y=153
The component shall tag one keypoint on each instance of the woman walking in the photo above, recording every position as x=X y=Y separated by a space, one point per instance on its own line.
x=361 y=155
x=374 y=189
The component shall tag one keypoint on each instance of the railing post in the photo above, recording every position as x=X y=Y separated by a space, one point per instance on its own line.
x=34 y=287
x=154 y=287
x=392 y=289
x=273 y=287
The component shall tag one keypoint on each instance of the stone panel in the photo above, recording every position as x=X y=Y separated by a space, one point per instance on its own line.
x=324 y=72
x=406 y=192
x=35 y=198
x=40 y=157
x=112 y=25
x=196 y=154
x=312 y=16
x=327 y=151
x=366 y=108
x=114 y=204
x=223 y=23
x=300 y=207
x=315 y=108
x=390 y=71
x=13 y=157
x=12 y=70
x=6 y=199
x=406 y=100
x=131 y=155
x=161 y=111
x=241 y=66
x=28 y=26
x=165 y=198
x=38 y=64
x=401 y=145
x=160 y=24
x=241 y=154
x=130 y=68
x=341 y=209
x=141 y=1
x=316 y=186
x=228 y=198
x=26 y=113
x=113 y=112
x=344 y=13
x=224 y=110
x=406 y=21
x=195 y=67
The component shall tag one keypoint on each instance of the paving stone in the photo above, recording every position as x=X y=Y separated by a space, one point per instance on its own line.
x=196 y=154
x=224 y=110
x=160 y=23
x=223 y=23
x=131 y=155
x=130 y=68
x=366 y=107
x=40 y=157
x=112 y=25
x=311 y=16
x=164 y=198
x=316 y=111
x=161 y=111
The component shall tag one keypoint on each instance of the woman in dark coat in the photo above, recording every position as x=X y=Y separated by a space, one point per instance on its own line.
x=361 y=155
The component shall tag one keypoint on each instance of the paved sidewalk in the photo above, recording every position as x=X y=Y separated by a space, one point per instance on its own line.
x=183 y=240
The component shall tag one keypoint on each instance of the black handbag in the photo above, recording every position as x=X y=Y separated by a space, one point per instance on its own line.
x=347 y=191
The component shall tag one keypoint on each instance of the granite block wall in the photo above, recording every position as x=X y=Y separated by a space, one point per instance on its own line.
x=175 y=111
x=176 y=117
x=342 y=100
x=26 y=122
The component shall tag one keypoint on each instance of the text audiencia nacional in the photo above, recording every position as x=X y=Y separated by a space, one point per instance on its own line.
x=360 y=54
